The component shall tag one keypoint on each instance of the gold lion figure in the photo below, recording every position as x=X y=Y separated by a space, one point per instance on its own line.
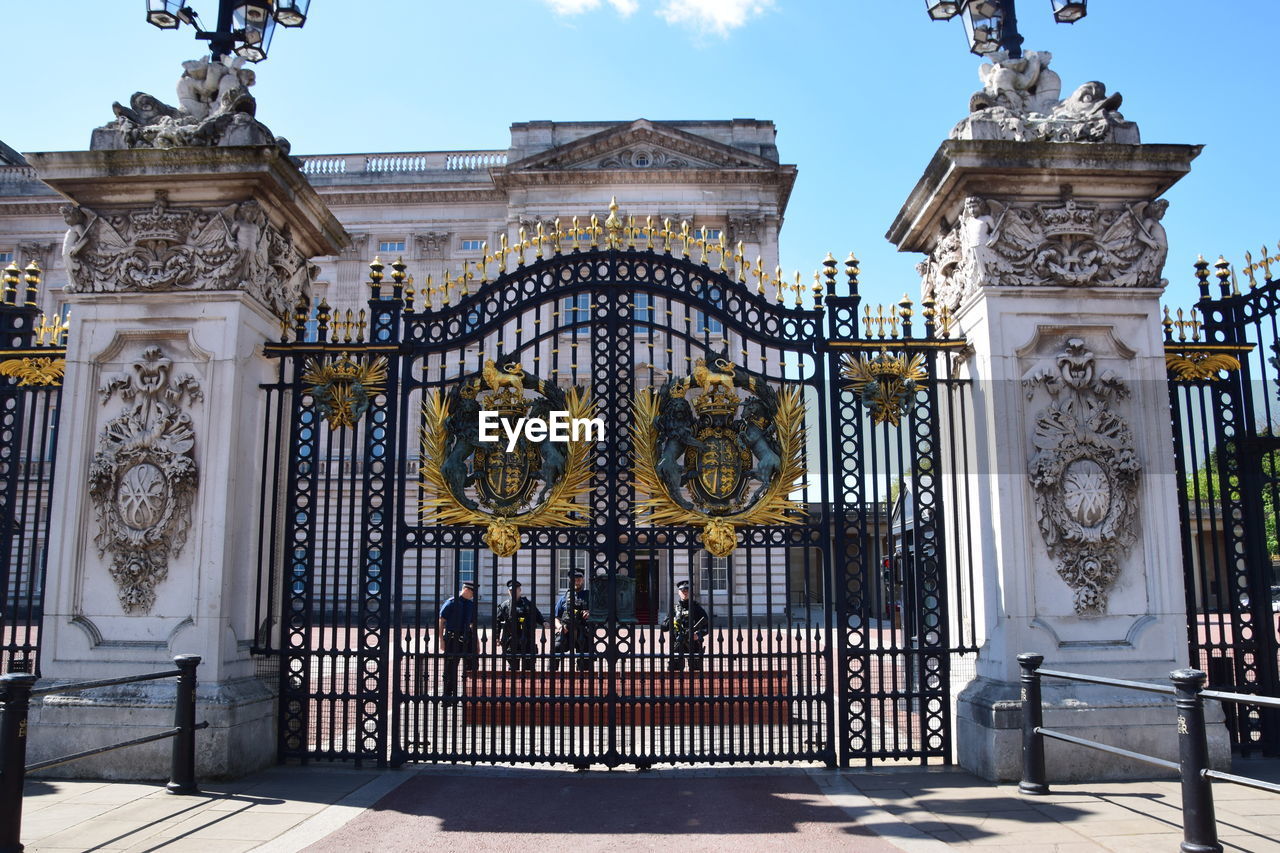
x=706 y=377
x=511 y=375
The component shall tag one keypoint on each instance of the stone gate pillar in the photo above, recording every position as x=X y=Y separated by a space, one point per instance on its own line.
x=1041 y=222
x=182 y=263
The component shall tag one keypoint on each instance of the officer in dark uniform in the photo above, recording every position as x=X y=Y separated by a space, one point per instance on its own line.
x=689 y=628
x=573 y=632
x=517 y=617
x=457 y=632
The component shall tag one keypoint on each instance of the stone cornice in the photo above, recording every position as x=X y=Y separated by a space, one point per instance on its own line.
x=33 y=208
x=102 y=179
x=1031 y=170
x=780 y=179
x=375 y=196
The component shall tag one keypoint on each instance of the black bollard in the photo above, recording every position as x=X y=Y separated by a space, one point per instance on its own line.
x=1199 y=824
x=1033 y=776
x=15 y=693
x=183 y=772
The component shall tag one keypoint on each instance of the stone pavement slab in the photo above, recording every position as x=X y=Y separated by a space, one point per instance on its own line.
x=912 y=809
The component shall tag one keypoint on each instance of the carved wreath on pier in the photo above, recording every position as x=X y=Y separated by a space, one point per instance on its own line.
x=143 y=477
x=1084 y=472
x=695 y=460
x=467 y=481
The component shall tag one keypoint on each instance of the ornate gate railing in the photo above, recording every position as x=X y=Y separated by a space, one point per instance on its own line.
x=721 y=464
x=904 y=596
x=32 y=358
x=1225 y=393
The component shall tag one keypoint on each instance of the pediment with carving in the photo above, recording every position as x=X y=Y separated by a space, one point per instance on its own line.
x=641 y=145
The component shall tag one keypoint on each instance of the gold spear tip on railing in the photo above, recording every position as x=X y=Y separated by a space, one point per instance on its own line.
x=397 y=270
x=375 y=270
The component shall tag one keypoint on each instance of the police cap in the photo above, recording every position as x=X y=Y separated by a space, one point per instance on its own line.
x=471 y=585
x=513 y=583
x=682 y=585
x=576 y=573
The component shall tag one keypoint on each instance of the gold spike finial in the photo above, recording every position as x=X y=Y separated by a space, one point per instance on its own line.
x=613 y=225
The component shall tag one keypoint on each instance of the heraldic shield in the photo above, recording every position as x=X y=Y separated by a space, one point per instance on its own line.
x=471 y=482
x=698 y=457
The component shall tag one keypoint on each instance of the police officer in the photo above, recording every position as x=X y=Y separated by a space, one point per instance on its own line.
x=457 y=631
x=689 y=627
x=517 y=617
x=574 y=635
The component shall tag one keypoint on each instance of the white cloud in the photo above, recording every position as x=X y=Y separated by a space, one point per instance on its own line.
x=705 y=16
x=718 y=16
x=575 y=7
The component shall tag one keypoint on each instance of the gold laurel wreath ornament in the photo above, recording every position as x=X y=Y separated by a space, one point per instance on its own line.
x=719 y=532
x=560 y=509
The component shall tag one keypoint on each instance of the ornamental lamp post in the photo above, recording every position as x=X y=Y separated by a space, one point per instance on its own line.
x=244 y=27
x=992 y=25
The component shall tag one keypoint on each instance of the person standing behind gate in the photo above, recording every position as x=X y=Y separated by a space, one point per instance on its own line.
x=574 y=635
x=517 y=617
x=689 y=627
x=457 y=632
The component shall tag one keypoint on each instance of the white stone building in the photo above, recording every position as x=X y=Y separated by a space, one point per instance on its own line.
x=439 y=209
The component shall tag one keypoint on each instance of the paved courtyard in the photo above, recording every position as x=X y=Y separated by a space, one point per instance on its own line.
x=908 y=809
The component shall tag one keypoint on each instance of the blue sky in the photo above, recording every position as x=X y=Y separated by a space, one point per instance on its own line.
x=862 y=92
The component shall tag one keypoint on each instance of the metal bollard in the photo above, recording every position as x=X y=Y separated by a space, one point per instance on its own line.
x=15 y=693
x=1199 y=825
x=1033 y=775
x=182 y=778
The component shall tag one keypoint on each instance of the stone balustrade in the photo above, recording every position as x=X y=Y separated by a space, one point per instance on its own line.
x=419 y=161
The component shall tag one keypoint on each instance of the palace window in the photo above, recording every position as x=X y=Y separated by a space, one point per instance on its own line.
x=313 y=322
x=715 y=573
x=576 y=309
x=567 y=561
x=466 y=568
x=710 y=234
x=6 y=257
x=705 y=323
x=472 y=245
x=643 y=309
x=388 y=246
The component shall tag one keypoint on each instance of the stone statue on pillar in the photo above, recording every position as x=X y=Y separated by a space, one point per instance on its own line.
x=1019 y=101
x=215 y=109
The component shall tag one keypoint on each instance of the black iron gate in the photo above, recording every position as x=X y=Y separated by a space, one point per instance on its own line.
x=1224 y=376
x=32 y=358
x=726 y=461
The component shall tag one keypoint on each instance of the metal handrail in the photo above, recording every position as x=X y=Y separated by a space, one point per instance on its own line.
x=16 y=692
x=1199 y=825
x=105 y=682
x=1109 y=682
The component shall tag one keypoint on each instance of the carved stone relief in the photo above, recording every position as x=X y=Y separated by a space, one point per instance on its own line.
x=432 y=244
x=357 y=248
x=162 y=248
x=644 y=158
x=1065 y=242
x=143 y=476
x=1084 y=470
x=744 y=227
x=1019 y=101
x=38 y=252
